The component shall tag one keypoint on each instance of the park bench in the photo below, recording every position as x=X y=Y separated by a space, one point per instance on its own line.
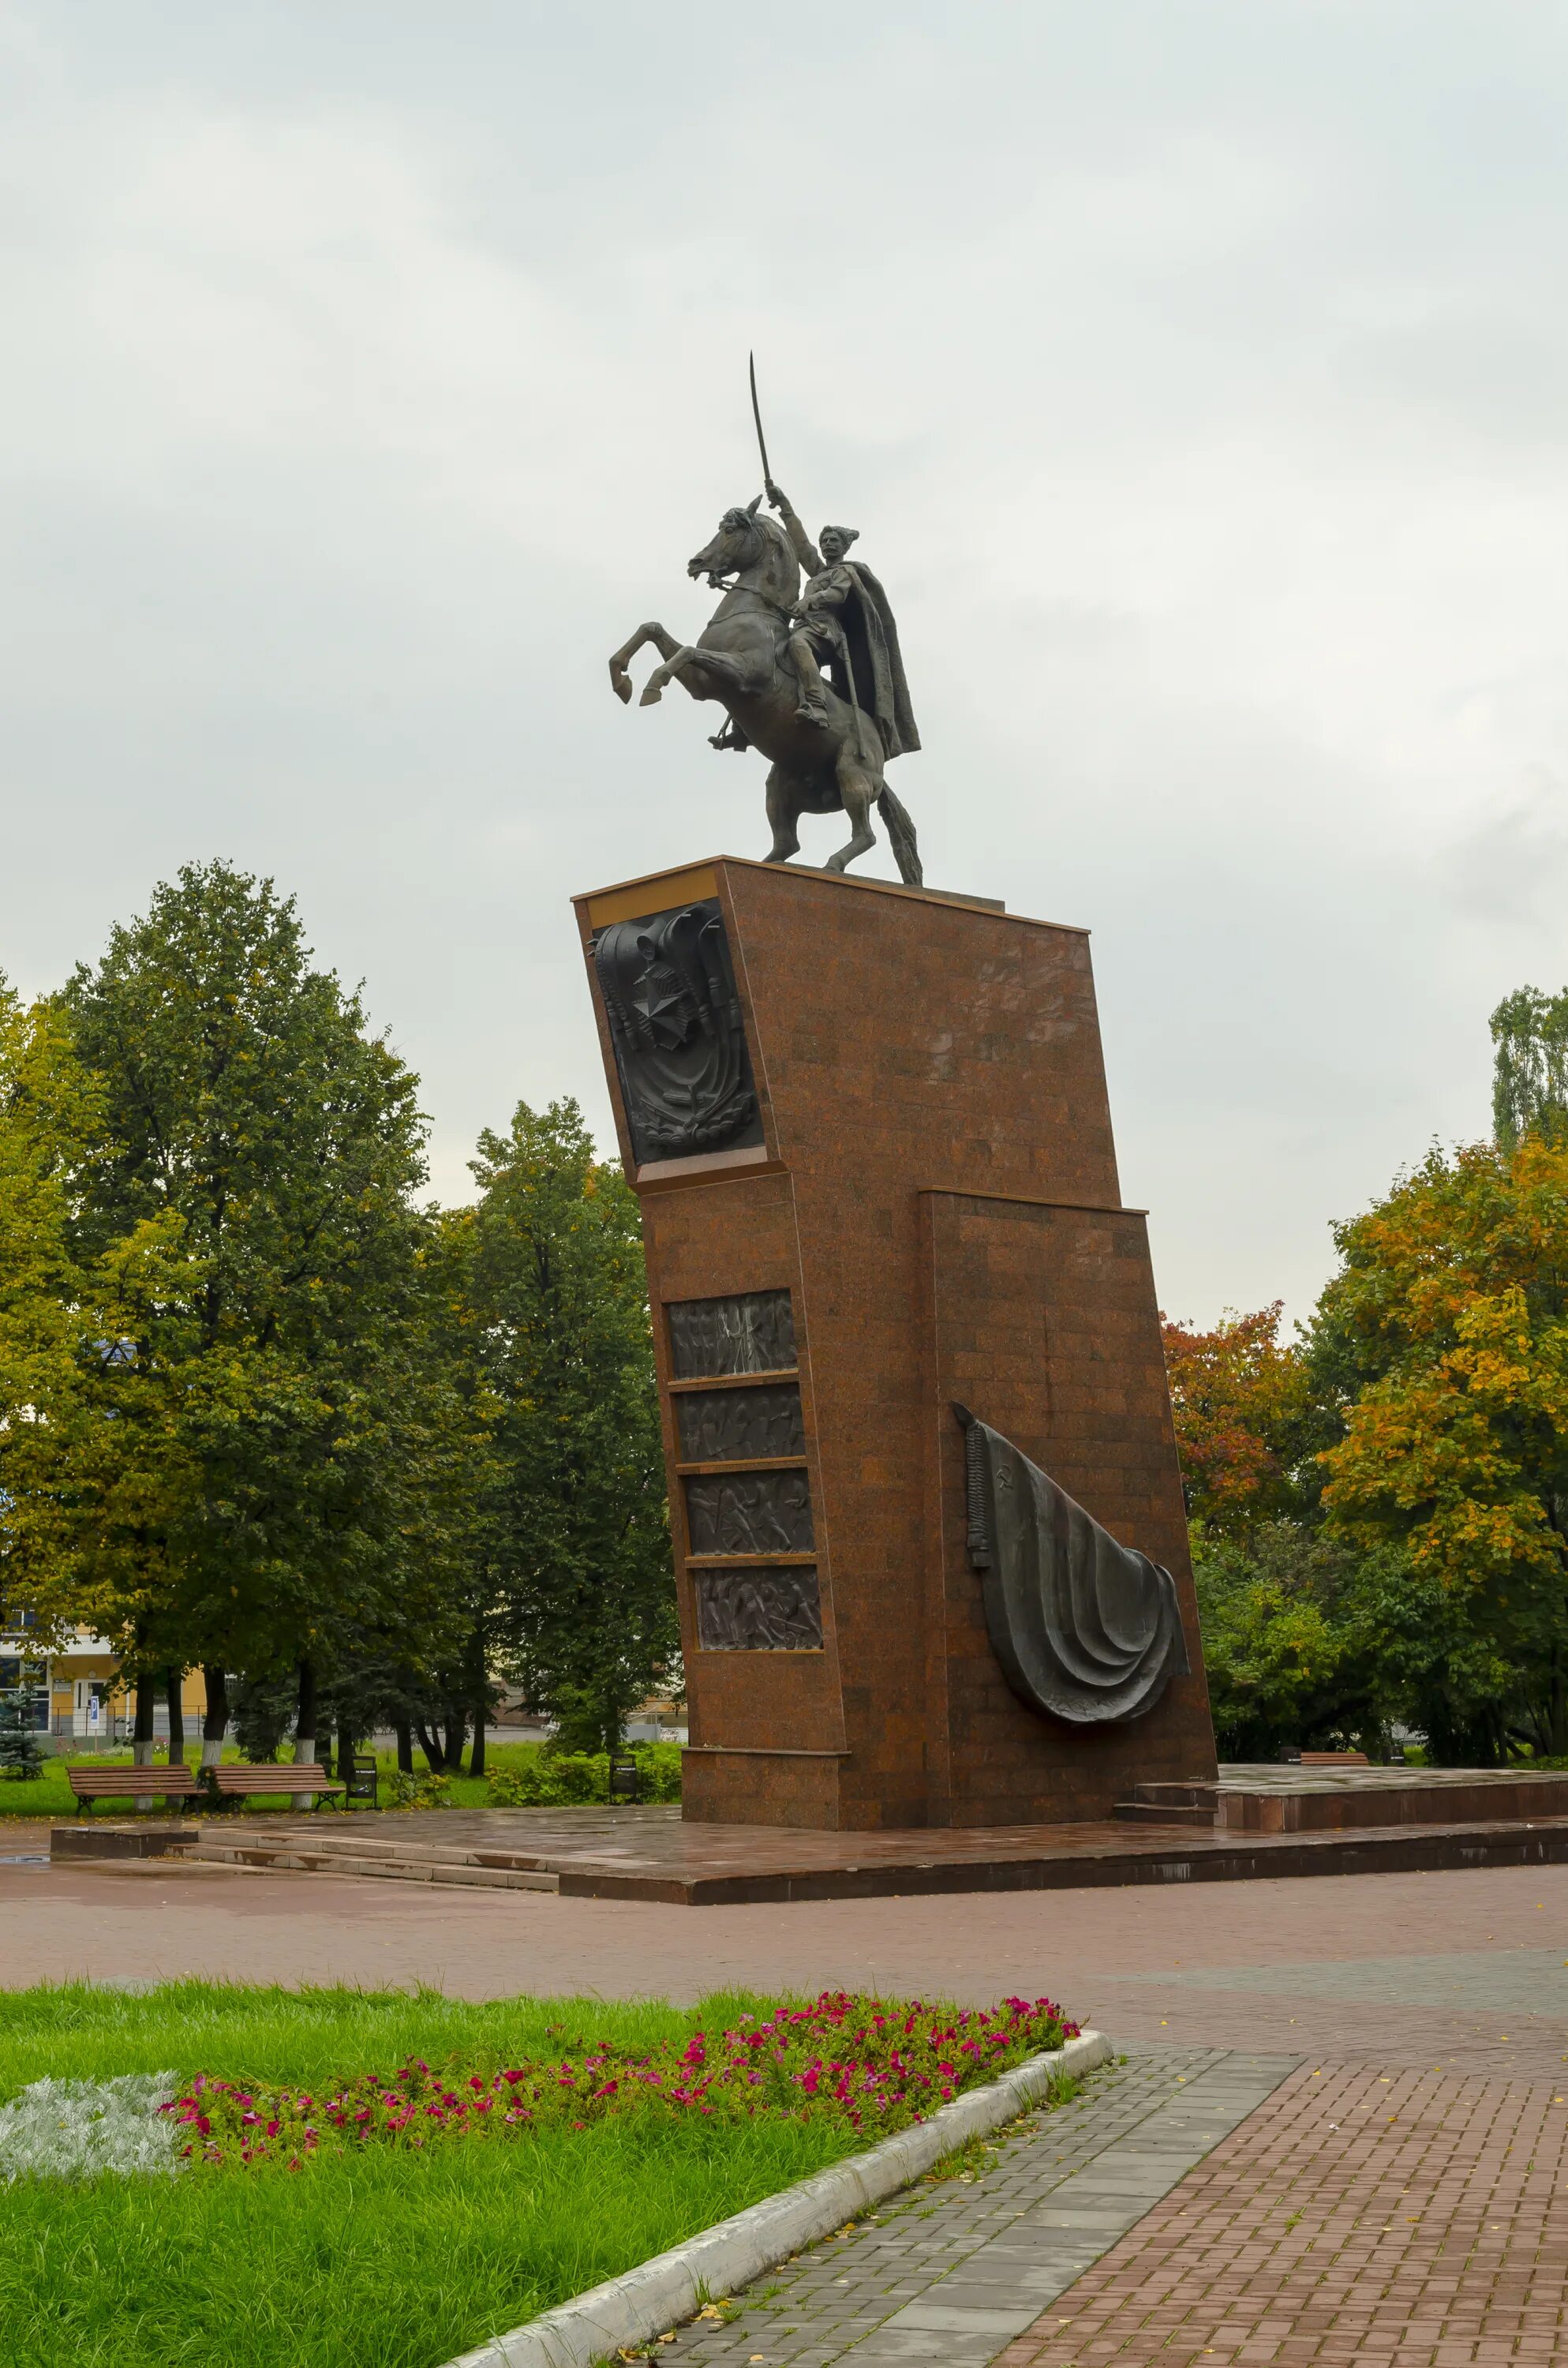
x=171 y=1784
x=1293 y=1759
x=250 y=1783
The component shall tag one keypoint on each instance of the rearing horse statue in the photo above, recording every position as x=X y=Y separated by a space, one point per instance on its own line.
x=829 y=757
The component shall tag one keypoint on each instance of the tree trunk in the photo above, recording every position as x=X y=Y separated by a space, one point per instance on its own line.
x=404 y=1734
x=344 y=1753
x=215 y=1724
x=141 y=1734
x=481 y=1702
x=432 y=1747
x=457 y=1735
x=174 y=1683
x=305 y=1729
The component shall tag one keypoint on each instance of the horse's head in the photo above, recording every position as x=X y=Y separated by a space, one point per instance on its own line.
x=737 y=545
x=752 y=554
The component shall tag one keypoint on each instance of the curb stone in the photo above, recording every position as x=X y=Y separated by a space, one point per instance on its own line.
x=643 y=2302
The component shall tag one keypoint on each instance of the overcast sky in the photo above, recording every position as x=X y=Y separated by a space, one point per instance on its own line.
x=1197 y=375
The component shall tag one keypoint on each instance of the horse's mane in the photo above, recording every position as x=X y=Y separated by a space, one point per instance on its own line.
x=782 y=544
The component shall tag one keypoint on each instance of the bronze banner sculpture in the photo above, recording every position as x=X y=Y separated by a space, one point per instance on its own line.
x=1085 y=1629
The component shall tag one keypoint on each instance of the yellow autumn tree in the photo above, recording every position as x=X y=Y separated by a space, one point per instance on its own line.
x=1447 y=1331
x=1238 y=1400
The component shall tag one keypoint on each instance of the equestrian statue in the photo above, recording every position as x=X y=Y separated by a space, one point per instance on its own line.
x=813 y=678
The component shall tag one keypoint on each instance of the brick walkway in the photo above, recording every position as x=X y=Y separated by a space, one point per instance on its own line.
x=1417 y=2219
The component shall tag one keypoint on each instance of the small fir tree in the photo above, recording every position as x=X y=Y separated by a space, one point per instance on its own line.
x=20 y=1756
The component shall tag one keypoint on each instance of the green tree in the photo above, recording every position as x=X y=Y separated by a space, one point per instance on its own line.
x=1309 y=1640
x=451 y=1687
x=273 y=1146
x=90 y=1472
x=1529 y=1066
x=40 y=1285
x=578 y=1552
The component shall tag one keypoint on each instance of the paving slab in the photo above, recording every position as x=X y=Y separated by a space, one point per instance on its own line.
x=954 y=2271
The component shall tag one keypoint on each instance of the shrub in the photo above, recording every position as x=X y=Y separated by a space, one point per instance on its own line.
x=658 y=1765
x=550 y=1779
x=419 y=1791
x=77 y=2129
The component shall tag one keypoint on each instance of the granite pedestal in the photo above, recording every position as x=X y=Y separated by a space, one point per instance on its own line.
x=868 y=1128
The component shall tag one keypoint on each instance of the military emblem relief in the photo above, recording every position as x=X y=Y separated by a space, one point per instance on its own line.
x=680 y=1046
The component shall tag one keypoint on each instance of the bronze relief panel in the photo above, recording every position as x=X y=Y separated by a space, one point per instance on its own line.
x=758 y=1611
x=736 y=1426
x=749 y=1513
x=754 y=1332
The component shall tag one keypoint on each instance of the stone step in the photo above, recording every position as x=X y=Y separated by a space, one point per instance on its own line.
x=1188 y=1794
x=1159 y=1813
x=421 y=1866
x=326 y=1844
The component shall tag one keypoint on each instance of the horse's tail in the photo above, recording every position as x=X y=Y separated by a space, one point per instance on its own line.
x=901 y=837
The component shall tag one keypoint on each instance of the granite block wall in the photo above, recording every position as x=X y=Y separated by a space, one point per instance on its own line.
x=936 y=1190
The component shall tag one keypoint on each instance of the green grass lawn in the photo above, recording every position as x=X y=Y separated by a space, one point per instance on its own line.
x=49 y=1795
x=381 y=2259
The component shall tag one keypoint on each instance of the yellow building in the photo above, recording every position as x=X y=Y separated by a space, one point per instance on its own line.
x=75 y=1694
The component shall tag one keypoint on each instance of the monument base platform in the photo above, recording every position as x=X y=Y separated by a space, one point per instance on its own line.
x=1275 y=1799
x=649 y=1853
x=155 y=1840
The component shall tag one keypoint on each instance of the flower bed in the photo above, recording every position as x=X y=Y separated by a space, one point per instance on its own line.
x=874 y=2066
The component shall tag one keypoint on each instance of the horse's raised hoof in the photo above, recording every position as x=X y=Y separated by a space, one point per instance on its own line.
x=653 y=691
x=620 y=683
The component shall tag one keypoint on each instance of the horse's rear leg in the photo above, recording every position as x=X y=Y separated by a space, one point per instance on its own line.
x=784 y=814
x=857 y=787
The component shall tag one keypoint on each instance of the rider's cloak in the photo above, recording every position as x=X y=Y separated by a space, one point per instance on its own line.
x=880 y=686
